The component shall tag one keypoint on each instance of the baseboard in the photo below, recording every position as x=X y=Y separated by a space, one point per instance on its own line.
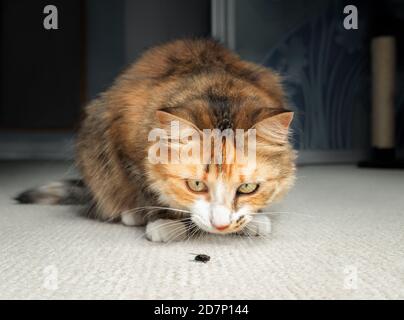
x=36 y=146
x=60 y=146
x=309 y=157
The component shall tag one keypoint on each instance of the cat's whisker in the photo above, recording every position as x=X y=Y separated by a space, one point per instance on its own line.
x=166 y=224
x=134 y=210
x=141 y=236
x=199 y=235
x=194 y=230
x=260 y=222
x=260 y=235
x=200 y=220
x=203 y=234
x=111 y=219
x=190 y=230
x=283 y=212
x=251 y=233
x=153 y=210
x=176 y=234
x=170 y=223
x=247 y=233
x=149 y=213
x=186 y=232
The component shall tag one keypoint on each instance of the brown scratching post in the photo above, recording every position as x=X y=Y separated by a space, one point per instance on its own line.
x=383 y=155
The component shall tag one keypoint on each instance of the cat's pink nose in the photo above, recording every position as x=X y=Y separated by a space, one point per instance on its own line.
x=221 y=227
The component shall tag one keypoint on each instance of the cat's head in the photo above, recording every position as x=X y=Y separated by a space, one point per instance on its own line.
x=223 y=197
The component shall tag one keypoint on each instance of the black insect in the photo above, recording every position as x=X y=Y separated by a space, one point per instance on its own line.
x=202 y=258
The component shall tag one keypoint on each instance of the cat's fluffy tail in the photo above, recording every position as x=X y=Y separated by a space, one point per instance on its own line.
x=59 y=192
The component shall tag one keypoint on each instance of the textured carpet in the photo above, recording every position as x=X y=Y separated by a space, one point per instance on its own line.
x=342 y=238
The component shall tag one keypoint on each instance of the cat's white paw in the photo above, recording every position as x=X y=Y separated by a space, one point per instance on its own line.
x=133 y=219
x=164 y=230
x=260 y=225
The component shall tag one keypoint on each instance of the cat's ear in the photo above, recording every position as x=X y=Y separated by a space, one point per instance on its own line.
x=275 y=128
x=172 y=123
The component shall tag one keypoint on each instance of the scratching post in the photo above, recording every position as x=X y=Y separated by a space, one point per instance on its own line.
x=383 y=73
x=383 y=52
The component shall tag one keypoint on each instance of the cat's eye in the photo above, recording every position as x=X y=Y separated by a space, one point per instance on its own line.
x=197 y=186
x=247 y=188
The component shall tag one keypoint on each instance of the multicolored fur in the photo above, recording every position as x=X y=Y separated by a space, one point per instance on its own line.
x=203 y=85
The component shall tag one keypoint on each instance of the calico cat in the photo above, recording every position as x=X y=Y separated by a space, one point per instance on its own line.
x=198 y=84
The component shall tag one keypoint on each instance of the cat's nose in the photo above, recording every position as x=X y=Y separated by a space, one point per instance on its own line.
x=221 y=227
x=220 y=217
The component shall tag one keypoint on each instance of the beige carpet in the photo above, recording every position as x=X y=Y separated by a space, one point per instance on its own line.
x=342 y=239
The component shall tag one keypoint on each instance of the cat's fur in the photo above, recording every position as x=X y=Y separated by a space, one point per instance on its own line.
x=201 y=84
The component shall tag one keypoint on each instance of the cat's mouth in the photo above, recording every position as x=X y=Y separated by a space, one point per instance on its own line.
x=234 y=227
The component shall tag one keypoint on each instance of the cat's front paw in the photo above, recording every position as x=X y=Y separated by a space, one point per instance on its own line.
x=164 y=230
x=260 y=225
